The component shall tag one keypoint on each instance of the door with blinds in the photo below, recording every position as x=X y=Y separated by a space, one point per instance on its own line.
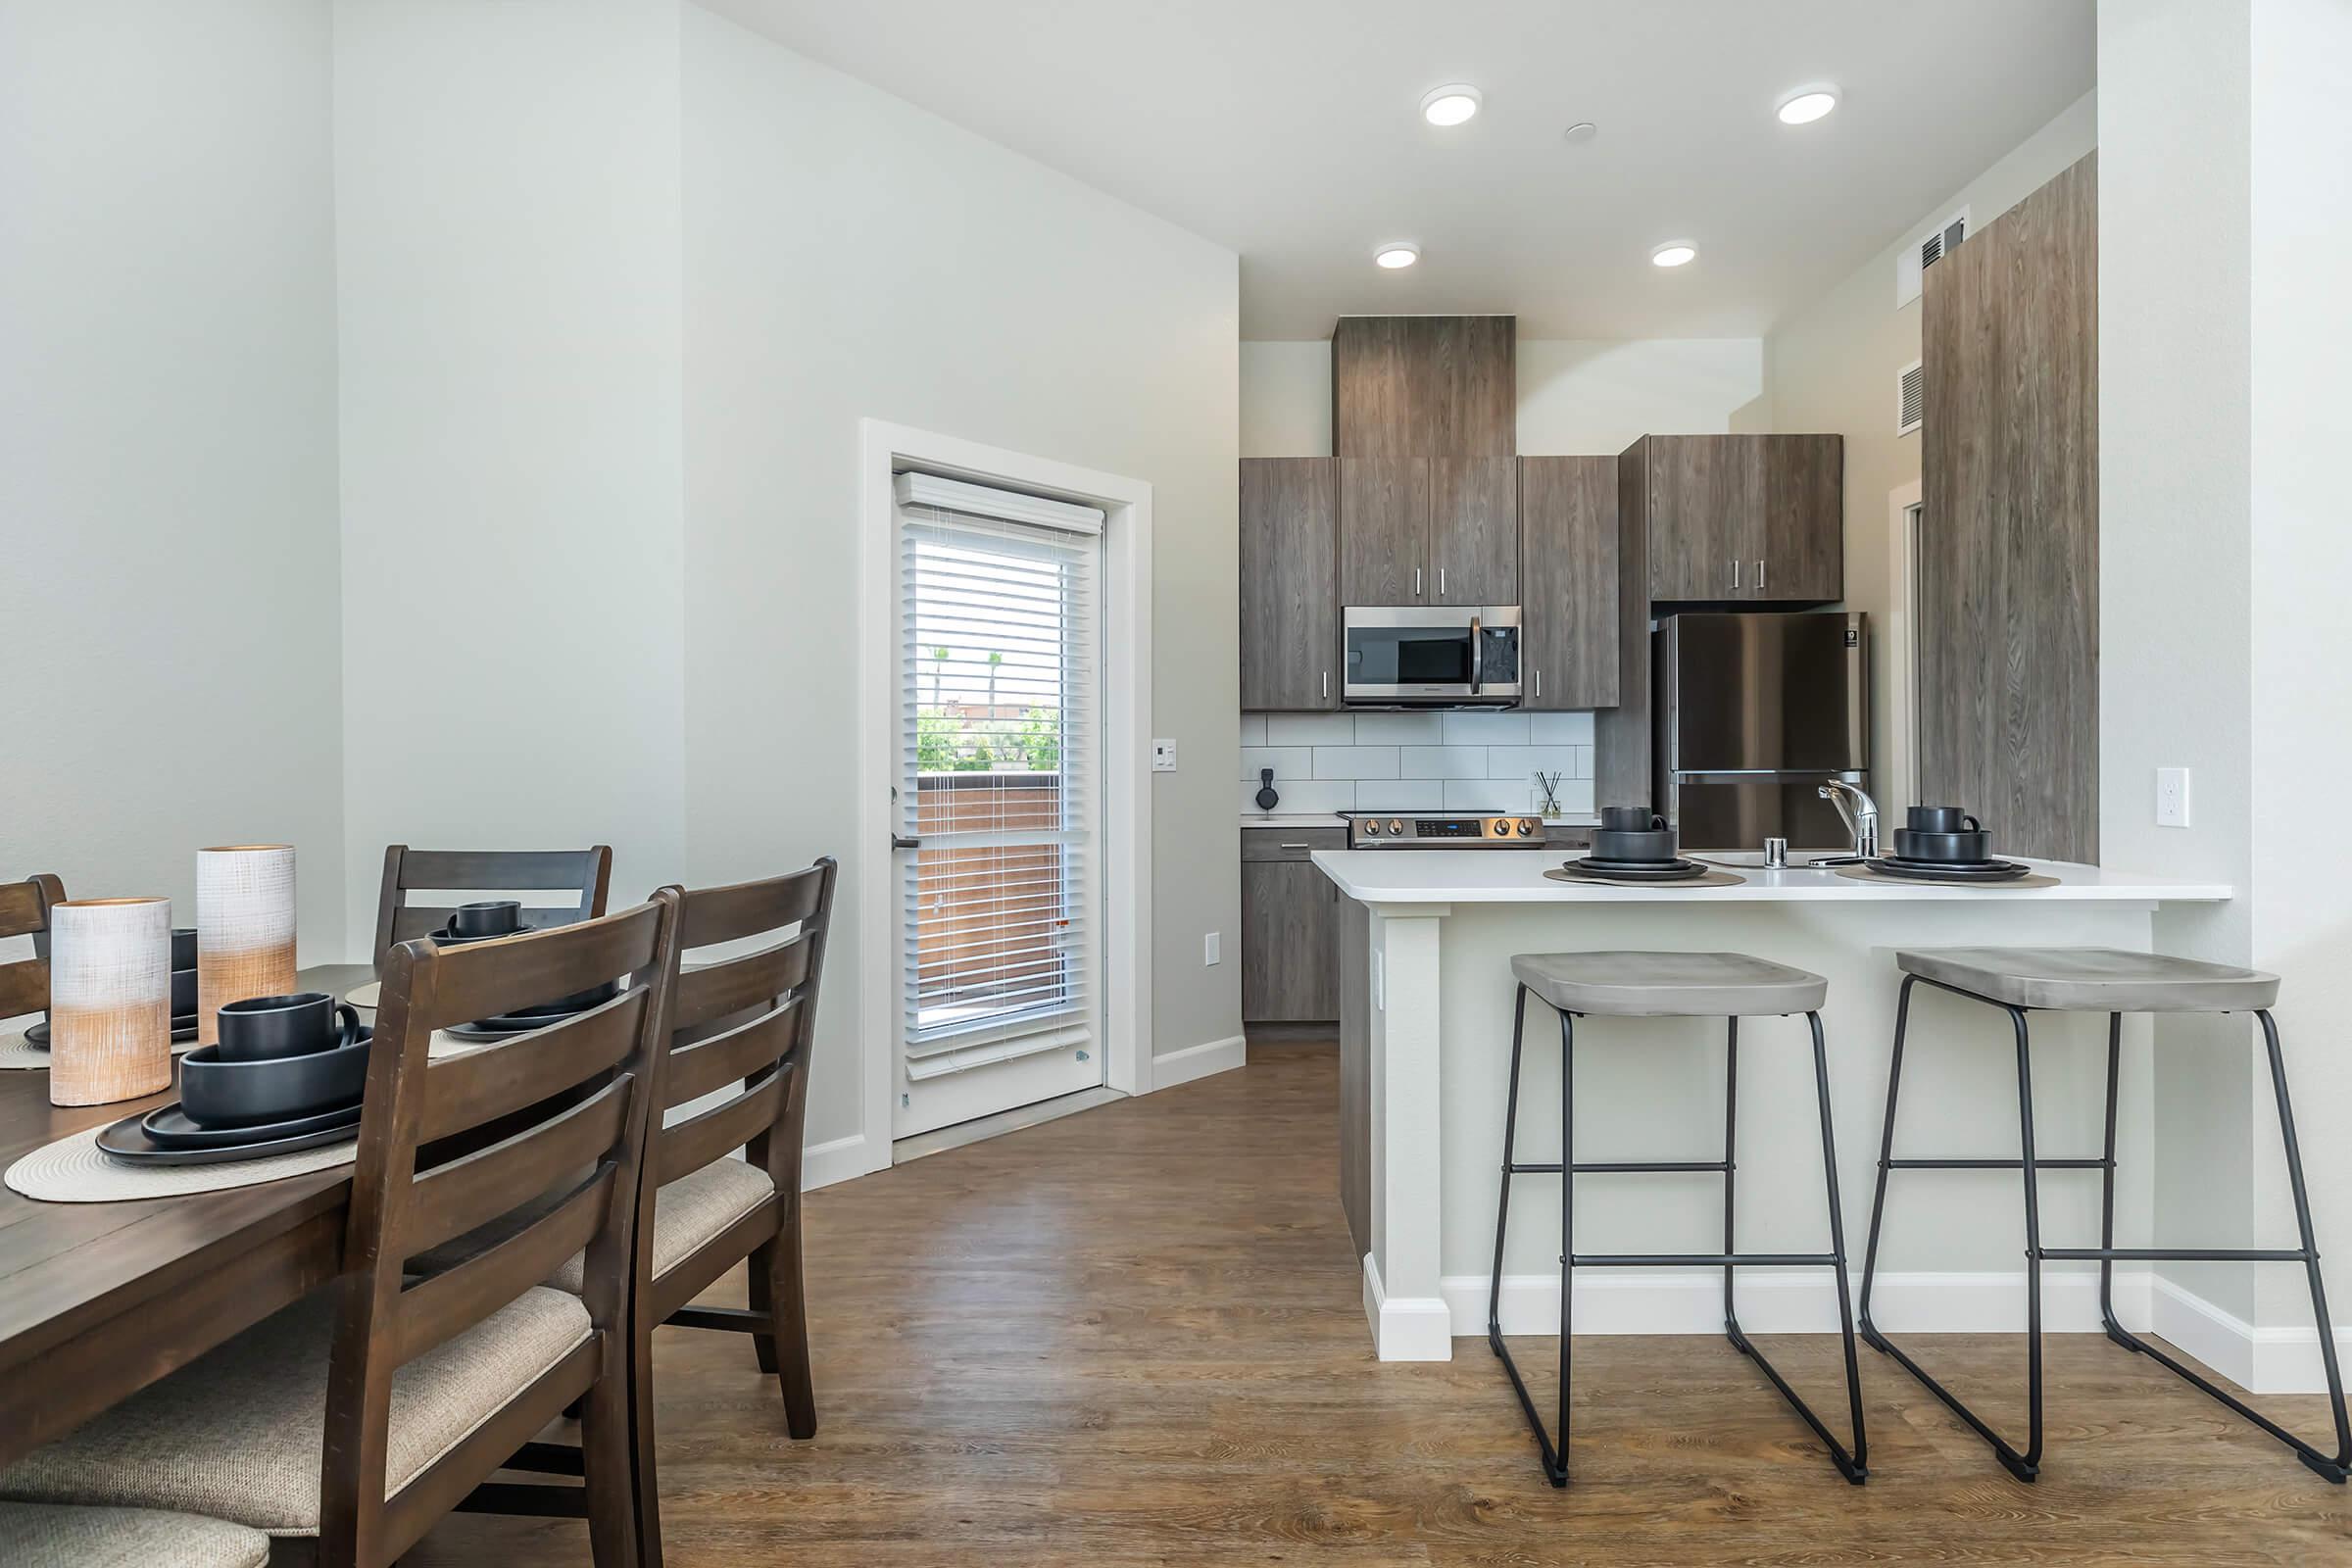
x=999 y=802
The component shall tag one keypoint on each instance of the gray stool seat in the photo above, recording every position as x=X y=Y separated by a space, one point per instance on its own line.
x=2093 y=979
x=1668 y=985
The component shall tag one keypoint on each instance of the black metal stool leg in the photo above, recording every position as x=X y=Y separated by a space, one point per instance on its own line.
x=1559 y=1467
x=1555 y=1459
x=1503 y=1200
x=1877 y=1203
x=1731 y=1167
x=2107 y=1318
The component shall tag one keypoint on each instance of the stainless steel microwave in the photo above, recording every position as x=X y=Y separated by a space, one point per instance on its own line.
x=1431 y=656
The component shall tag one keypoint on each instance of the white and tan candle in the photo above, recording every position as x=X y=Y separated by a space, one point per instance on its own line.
x=244 y=928
x=110 y=1000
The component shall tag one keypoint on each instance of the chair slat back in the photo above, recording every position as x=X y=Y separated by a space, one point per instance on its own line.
x=24 y=912
x=587 y=873
x=748 y=1019
x=552 y=1127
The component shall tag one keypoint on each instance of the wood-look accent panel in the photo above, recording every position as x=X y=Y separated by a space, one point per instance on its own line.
x=2008 y=634
x=1275 y=842
x=1384 y=530
x=1805 y=518
x=1467 y=369
x=1356 y=1072
x=1473 y=531
x=1568 y=581
x=1375 y=412
x=1706 y=515
x=1290 y=583
x=1621 y=758
x=1289 y=923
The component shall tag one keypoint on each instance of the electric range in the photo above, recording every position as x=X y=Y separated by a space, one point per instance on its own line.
x=1442 y=830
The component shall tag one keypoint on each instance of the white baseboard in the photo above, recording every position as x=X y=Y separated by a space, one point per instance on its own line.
x=1199 y=1061
x=837 y=1160
x=1792 y=1301
x=1408 y=1328
x=2285 y=1359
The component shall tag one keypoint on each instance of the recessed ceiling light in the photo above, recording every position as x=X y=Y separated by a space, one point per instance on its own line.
x=1674 y=253
x=1450 y=105
x=1397 y=255
x=1806 y=105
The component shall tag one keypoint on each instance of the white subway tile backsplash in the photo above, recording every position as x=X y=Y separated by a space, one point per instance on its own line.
x=1486 y=794
x=1442 y=761
x=1502 y=761
x=1576 y=797
x=1311 y=730
x=1355 y=761
x=1485 y=729
x=1399 y=729
x=1555 y=729
x=1401 y=795
x=1254 y=729
x=1287 y=761
x=1303 y=795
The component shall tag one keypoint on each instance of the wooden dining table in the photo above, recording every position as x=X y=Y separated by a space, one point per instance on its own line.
x=97 y=1300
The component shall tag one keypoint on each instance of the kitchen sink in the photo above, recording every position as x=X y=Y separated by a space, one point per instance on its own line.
x=1753 y=859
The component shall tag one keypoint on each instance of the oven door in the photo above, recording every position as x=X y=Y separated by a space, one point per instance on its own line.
x=1431 y=656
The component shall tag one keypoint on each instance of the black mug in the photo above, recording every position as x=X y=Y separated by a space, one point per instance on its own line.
x=267 y=1028
x=1942 y=819
x=183 y=947
x=1629 y=819
x=492 y=918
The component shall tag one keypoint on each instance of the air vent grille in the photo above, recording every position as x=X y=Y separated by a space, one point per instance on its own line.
x=1910 y=397
x=1912 y=261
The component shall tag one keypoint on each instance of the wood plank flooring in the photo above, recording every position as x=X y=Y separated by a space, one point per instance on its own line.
x=1134 y=1337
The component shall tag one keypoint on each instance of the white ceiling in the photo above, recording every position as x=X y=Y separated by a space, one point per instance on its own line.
x=1289 y=130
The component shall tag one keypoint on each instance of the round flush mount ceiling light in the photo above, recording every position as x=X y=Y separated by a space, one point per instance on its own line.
x=1450 y=105
x=1674 y=253
x=1806 y=105
x=1582 y=131
x=1397 y=254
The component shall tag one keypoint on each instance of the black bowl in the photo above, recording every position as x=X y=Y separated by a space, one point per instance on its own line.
x=239 y=1094
x=577 y=1001
x=1955 y=846
x=183 y=947
x=183 y=991
x=446 y=938
x=1651 y=845
x=487 y=917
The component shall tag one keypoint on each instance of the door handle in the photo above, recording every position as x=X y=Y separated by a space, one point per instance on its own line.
x=1441 y=582
x=1735 y=573
x=900 y=841
x=1478 y=653
x=1539 y=683
x=1760 y=575
x=1416 y=582
x=1327 y=683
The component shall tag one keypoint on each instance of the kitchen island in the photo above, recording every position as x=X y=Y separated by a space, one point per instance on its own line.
x=1426 y=998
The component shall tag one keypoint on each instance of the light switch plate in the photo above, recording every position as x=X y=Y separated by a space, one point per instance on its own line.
x=2172 y=797
x=1163 y=756
x=1212 y=950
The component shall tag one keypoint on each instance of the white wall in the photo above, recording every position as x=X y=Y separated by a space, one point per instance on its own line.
x=1830 y=370
x=506 y=192
x=849 y=256
x=168 y=555
x=1575 y=397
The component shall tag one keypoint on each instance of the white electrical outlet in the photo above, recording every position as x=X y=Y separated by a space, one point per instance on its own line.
x=1212 y=949
x=2172 y=797
x=1163 y=756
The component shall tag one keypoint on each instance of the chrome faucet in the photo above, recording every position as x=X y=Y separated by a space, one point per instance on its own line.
x=1859 y=813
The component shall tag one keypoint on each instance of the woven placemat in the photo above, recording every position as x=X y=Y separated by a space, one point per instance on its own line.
x=74 y=1170
x=17 y=1054
x=365 y=995
x=1863 y=873
x=1590 y=879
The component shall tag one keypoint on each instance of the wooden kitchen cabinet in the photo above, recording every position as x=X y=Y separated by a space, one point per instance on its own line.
x=1290 y=940
x=1384 y=530
x=1803 y=556
x=1568 y=609
x=1411 y=386
x=1473 y=531
x=1745 y=518
x=1290 y=585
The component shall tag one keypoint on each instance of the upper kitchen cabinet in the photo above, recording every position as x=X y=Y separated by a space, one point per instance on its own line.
x=1745 y=518
x=1474 y=530
x=1289 y=565
x=1568 y=622
x=1384 y=531
x=1417 y=386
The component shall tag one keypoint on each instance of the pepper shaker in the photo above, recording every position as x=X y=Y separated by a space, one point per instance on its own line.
x=1775 y=854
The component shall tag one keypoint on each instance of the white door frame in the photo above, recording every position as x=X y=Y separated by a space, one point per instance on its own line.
x=884 y=448
x=1902 y=649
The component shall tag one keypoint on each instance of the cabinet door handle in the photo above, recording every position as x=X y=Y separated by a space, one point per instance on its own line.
x=1416 y=582
x=1441 y=582
x=1289 y=846
x=1760 y=575
x=1735 y=573
x=1327 y=683
x=1539 y=683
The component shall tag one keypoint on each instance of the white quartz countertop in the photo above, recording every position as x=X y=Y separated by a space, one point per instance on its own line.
x=1516 y=876
x=1334 y=819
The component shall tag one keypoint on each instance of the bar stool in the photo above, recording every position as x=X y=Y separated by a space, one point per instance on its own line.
x=2022 y=980
x=1668 y=985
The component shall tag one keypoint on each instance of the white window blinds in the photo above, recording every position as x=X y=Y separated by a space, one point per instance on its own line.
x=999 y=669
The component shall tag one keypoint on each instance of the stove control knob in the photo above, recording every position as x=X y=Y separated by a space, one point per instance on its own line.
x=1501 y=827
x=1526 y=826
x=1395 y=826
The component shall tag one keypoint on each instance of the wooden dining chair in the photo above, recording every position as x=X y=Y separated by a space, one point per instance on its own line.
x=587 y=873
x=365 y=1412
x=24 y=912
x=39 y=1535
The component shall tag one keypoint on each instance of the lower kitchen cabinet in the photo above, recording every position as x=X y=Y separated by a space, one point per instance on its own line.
x=1290 y=943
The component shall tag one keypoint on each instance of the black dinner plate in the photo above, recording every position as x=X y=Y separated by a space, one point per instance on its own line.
x=168 y=1127
x=37 y=1036
x=1640 y=870
x=184 y=1030
x=1949 y=872
x=128 y=1142
x=506 y=1026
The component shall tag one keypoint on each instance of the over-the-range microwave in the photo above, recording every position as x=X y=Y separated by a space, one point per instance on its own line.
x=1431 y=656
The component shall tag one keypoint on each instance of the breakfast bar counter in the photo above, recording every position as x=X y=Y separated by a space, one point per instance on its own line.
x=1426 y=1008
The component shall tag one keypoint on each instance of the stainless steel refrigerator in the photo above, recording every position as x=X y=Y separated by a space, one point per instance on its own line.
x=1750 y=714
